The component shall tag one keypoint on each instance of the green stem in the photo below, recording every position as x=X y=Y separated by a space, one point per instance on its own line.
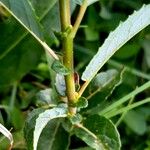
x=124 y=113
x=67 y=46
x=127 y=108
x=128 y=69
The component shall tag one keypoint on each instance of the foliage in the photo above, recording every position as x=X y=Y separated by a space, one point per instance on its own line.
x=42 y=94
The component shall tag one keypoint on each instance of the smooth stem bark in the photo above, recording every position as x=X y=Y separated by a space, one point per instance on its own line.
x=67 y=46
x=79 y=18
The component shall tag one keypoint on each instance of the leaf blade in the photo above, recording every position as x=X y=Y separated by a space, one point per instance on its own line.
x=80 y=2
x=23 y=12
x=44 y=118
x=124 y=32
x=20 y=16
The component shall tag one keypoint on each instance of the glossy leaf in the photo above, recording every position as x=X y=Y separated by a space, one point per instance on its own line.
x=103 y=79
x=20 y=60
x=105 y=130
x=59 y=68
x=101 y=89
x=88 y=137
x=82 y=102
x=54 y=137
x=146 y=45
x=116 y=39
x=46 y=97
x=29 y=127
x=138 y=124
x=27 y=19
x=44 y=118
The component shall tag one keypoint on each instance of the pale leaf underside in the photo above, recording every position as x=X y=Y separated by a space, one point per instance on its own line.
x=23 y=12
x=116 y=39
x=43 y=120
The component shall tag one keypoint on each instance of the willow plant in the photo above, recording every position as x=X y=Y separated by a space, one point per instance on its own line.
x=67 y=113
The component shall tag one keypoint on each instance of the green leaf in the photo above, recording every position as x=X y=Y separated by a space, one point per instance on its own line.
x=126 y=108
x=29 y=127
x=6 y=133
x=76 y=119
x=101 y=89
x=59 y=68
x=54 y=137
x=23 y=12
x=132 y=49
x=42 y=7
x=89 y=2
x=88 y=137
x=19 y=61
x=126 y=98
x=138 y=124
x=146 y=45
x=46 y=98
x=103 y=79
x=27 y=19
x=84 y=148
x=105 y=130
x=44 y=118
x=116 y=39
x=82 y=102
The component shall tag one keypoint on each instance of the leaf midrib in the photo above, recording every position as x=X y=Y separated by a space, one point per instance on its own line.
x=12 y=46
x=54 y=134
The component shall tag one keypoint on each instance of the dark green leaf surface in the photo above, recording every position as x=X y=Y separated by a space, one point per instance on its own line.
x=104 y=79
x=52 y=137
x=60 y=85
x=59 y=68
x=123 y=33
x=76 y=119
x=24 y=12
x=19 y=61
x=105 y=130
